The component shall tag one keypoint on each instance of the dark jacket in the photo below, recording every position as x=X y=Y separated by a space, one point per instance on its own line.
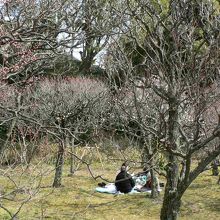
x=124 y=182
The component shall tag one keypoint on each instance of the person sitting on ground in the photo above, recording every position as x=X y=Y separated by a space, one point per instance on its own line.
x=148 y=181
x=148 y=178
x=123 y=181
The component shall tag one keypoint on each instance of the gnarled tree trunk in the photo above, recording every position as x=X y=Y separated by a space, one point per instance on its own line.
x=171 y=205
x=172 y=196
x=59 y=166
x=154 y=185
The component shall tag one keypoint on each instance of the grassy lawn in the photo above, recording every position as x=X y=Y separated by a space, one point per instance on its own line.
x=78 y=200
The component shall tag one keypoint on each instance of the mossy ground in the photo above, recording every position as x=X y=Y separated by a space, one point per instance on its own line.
x=78 y=200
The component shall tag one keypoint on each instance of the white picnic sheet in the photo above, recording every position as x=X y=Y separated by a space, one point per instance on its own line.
x=111 y=189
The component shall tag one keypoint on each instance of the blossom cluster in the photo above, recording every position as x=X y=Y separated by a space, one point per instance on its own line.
x=22 y=57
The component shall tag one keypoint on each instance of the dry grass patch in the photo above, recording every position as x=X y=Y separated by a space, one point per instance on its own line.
x=78 y=200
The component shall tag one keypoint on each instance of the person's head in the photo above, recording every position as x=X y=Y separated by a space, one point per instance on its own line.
x=124 y=167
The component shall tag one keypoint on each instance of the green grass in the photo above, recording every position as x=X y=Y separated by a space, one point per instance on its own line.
x=78 y=200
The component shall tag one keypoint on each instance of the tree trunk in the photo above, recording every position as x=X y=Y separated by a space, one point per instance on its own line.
x=215 y=170
x=172 y=196
x=149 y=150
x=72 y=158
x=171 y=205
x=72 y=162
x=154 y=185
x=23 y=151
x=85 y=68
x=59 y=166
